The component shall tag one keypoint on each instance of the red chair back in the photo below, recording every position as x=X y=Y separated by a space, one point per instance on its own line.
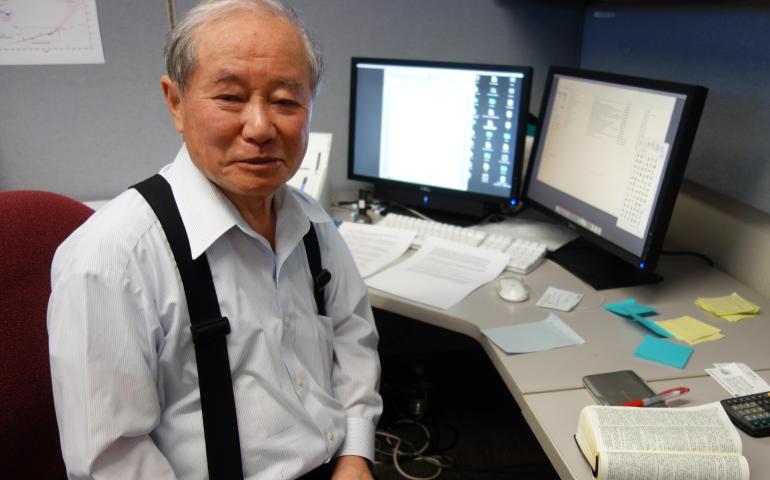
x=32 y=225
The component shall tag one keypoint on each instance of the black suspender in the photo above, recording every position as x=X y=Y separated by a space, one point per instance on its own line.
x=209 y=329
x=321 y=276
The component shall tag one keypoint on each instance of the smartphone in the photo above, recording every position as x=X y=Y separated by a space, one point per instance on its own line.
x=616 y=388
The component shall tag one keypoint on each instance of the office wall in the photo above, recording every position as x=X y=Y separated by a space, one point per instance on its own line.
x=721 y=45
x=517 y=32
x=89 y=131
x=734 y=235
x=723 y=209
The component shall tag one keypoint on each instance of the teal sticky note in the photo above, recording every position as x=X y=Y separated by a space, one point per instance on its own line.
x=663 y=351
x=629 y=308
x=653 y=326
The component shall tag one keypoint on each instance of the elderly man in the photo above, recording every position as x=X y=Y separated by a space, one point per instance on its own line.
x=242 y=75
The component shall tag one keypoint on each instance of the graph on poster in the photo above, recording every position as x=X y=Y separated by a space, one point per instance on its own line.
x=45 y=32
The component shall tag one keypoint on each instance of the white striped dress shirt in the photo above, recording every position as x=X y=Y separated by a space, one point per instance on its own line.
x=122 y=358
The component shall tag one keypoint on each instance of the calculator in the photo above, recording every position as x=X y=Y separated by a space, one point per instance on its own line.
x=750 y=413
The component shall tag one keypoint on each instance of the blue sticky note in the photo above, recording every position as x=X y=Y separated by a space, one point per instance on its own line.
x=653 y=326
x=629 y=308
x=662 y=351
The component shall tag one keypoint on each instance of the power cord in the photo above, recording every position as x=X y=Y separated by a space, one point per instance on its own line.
x=414 y=212
x=689 y=253
x=398 y=455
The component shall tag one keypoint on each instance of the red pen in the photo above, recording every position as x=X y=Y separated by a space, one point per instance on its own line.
x=662 y=396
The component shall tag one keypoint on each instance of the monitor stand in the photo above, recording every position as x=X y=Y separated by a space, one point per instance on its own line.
x=599 y=268
x=456 y=208
x=436 y=215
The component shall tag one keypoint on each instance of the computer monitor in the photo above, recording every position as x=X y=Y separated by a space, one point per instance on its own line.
x=447 y=137
x=608 y=160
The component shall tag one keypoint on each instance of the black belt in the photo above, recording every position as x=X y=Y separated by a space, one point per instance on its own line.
x=324 y=472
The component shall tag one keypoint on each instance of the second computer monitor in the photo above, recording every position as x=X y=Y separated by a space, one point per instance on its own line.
x=444 y=136
x=609 y=159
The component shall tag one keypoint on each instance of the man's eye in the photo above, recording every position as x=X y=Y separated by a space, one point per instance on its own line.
x=285 y=102
x=228 y=98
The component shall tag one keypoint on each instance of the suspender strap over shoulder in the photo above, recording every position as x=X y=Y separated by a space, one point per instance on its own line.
x=321 y=276
x=209 y=329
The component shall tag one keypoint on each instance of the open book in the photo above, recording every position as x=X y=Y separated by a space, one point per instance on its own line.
x=627 y=443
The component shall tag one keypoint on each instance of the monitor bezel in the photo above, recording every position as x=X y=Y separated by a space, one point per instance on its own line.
x=412 y=193
x=672 y=176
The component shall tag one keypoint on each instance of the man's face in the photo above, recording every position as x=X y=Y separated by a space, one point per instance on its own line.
x=245 y=111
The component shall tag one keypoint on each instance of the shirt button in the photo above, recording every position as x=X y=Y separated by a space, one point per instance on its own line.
x=286 y=322
x=330 y=436
x=299 y=381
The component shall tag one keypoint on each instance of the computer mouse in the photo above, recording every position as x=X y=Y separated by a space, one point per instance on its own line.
x=512 y=289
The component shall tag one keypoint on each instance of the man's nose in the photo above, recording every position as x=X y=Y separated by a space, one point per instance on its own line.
x=258 y=126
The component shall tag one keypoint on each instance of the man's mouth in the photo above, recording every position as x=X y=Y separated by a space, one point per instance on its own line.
x=259 y=161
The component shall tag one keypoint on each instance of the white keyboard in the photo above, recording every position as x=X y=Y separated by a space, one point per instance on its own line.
x=525 y=255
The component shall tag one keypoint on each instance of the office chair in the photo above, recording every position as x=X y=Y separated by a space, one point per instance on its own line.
x=33 y=224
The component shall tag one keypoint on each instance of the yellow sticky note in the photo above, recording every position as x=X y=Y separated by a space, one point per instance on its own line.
x=691 y=330
x=710 y=338
x=728 y=305
x=737 y=317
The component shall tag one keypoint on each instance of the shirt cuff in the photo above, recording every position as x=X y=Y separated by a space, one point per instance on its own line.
x=359 y=438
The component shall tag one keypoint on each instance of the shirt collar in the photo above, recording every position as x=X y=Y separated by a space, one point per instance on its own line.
x=208 y=214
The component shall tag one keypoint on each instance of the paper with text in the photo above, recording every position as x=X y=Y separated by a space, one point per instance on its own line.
x=559 y=299
x=738 y=379
x=441 y=273
x=375 y=247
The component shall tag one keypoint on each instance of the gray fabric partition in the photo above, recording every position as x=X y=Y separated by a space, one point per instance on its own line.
x=721 y=45
x=89 y=131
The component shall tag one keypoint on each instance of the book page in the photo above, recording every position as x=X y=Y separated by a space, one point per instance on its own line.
x=705 y=428
x=690 y=466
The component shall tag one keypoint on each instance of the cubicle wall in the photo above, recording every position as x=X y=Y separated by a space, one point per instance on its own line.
x=515 y=32
x=721 y=45
x=91 y=130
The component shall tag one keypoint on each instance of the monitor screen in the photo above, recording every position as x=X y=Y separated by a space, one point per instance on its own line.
x=436 y=134
x=609 y=157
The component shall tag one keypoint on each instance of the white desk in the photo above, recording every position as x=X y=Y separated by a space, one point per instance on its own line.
x=610 y=339
x=548 y=385
x=553 y=419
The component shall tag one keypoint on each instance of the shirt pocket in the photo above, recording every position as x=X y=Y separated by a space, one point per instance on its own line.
x=325 y=329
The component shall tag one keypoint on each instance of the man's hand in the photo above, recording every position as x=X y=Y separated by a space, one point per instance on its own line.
x=351 y=467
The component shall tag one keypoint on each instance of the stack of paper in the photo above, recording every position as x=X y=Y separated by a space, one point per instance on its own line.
x=374 y=247
x=731 y=307
x=440 y=273
x=690 y=330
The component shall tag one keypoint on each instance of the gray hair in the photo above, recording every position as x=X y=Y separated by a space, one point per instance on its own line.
x=180 y=53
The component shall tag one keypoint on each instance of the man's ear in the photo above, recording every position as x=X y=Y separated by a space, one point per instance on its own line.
x=173 y=98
